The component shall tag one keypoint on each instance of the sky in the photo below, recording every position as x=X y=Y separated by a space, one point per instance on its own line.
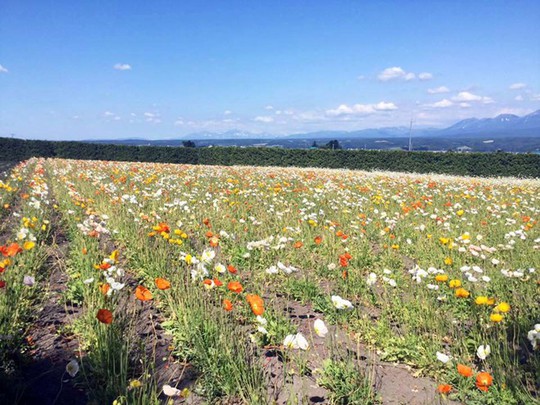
x=164 y=69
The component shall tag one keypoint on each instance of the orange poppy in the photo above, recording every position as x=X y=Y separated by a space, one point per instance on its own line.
x=143 y=294
x=214 y=241
x=343 y=261
x=93 y=234
x=232 y=269
x=235 y=286
x=209 y=234
x=256 y=303
x=298 y=244
x=444 y=388
x=464 y=370
x=104 y=316
x=84 y=251
x=483 y=381
x=217 y=282
x=206 y=221
x=104 y=266
x=318 y=240
x=227 y=305
x=162 y=284
x=12 y=250
x=104 y=288
x=344 y=274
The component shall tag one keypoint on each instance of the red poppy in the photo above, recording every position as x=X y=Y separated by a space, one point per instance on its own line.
x=232 y=269
x=2 y=284
x=217 y=282
x=143 y=294
x=104 y=316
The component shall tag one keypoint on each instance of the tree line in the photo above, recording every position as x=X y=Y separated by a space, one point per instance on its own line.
x=472 y=164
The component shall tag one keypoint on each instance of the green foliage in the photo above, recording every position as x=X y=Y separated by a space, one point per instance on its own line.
x=473 y=164
x=347 y=383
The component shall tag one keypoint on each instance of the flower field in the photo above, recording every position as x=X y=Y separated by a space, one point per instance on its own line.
x=140 y=283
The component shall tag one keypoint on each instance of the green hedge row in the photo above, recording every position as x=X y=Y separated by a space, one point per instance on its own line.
x=473 y=164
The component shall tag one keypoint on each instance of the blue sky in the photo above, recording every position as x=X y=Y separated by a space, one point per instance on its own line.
x=160 y=69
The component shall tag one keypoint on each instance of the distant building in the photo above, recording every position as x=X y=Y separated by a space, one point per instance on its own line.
x=464 y=149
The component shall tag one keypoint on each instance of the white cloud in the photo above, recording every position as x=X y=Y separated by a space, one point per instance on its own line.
x=467 y=96
x=122 y=66
x=227 y=112
x=444 y=103
x=535 y=97
x=154 y=118
x=265 y=119
x=518 y=98
x=360 y=109
x=394 y=73
x=517 y=86
x=109 y=114
x=425 y=76
x=464 y=105
x=3 y=69
x=384 y=106
x=269 y=107
x=149 y=115
x=179 y=122
x=439 y=90
x=361 y=77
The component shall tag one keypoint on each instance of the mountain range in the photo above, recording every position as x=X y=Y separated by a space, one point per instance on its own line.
x=507 y=132
x=501 y=125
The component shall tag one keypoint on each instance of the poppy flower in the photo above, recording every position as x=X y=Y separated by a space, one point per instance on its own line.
x=143 y=294
x=2 y=284
x=441 y=278
x=454 y=283
x=496 y=318
x=235 y=287
x=227 y=305
x=12 y=250
x=232 y=269
x=256 y=303
x=444 y=388
x=318 y=240
x=104 y=288
x=28 y=245
x=483 y=381
x=462 y=293
x=84 y=251
x=104 y=266
x=105 y=316
x=464 y=370
x=214 y=241
x=298 y=245
x=162 y=284
x=217 y=282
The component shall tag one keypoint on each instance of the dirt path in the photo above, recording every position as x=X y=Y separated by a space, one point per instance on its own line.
x=45 y=381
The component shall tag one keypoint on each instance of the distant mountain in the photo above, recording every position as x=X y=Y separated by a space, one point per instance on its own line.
x=503 y=122
x=487 y=134
x=232 y=134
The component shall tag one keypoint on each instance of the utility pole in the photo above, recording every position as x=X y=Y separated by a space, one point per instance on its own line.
x=410 y=136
